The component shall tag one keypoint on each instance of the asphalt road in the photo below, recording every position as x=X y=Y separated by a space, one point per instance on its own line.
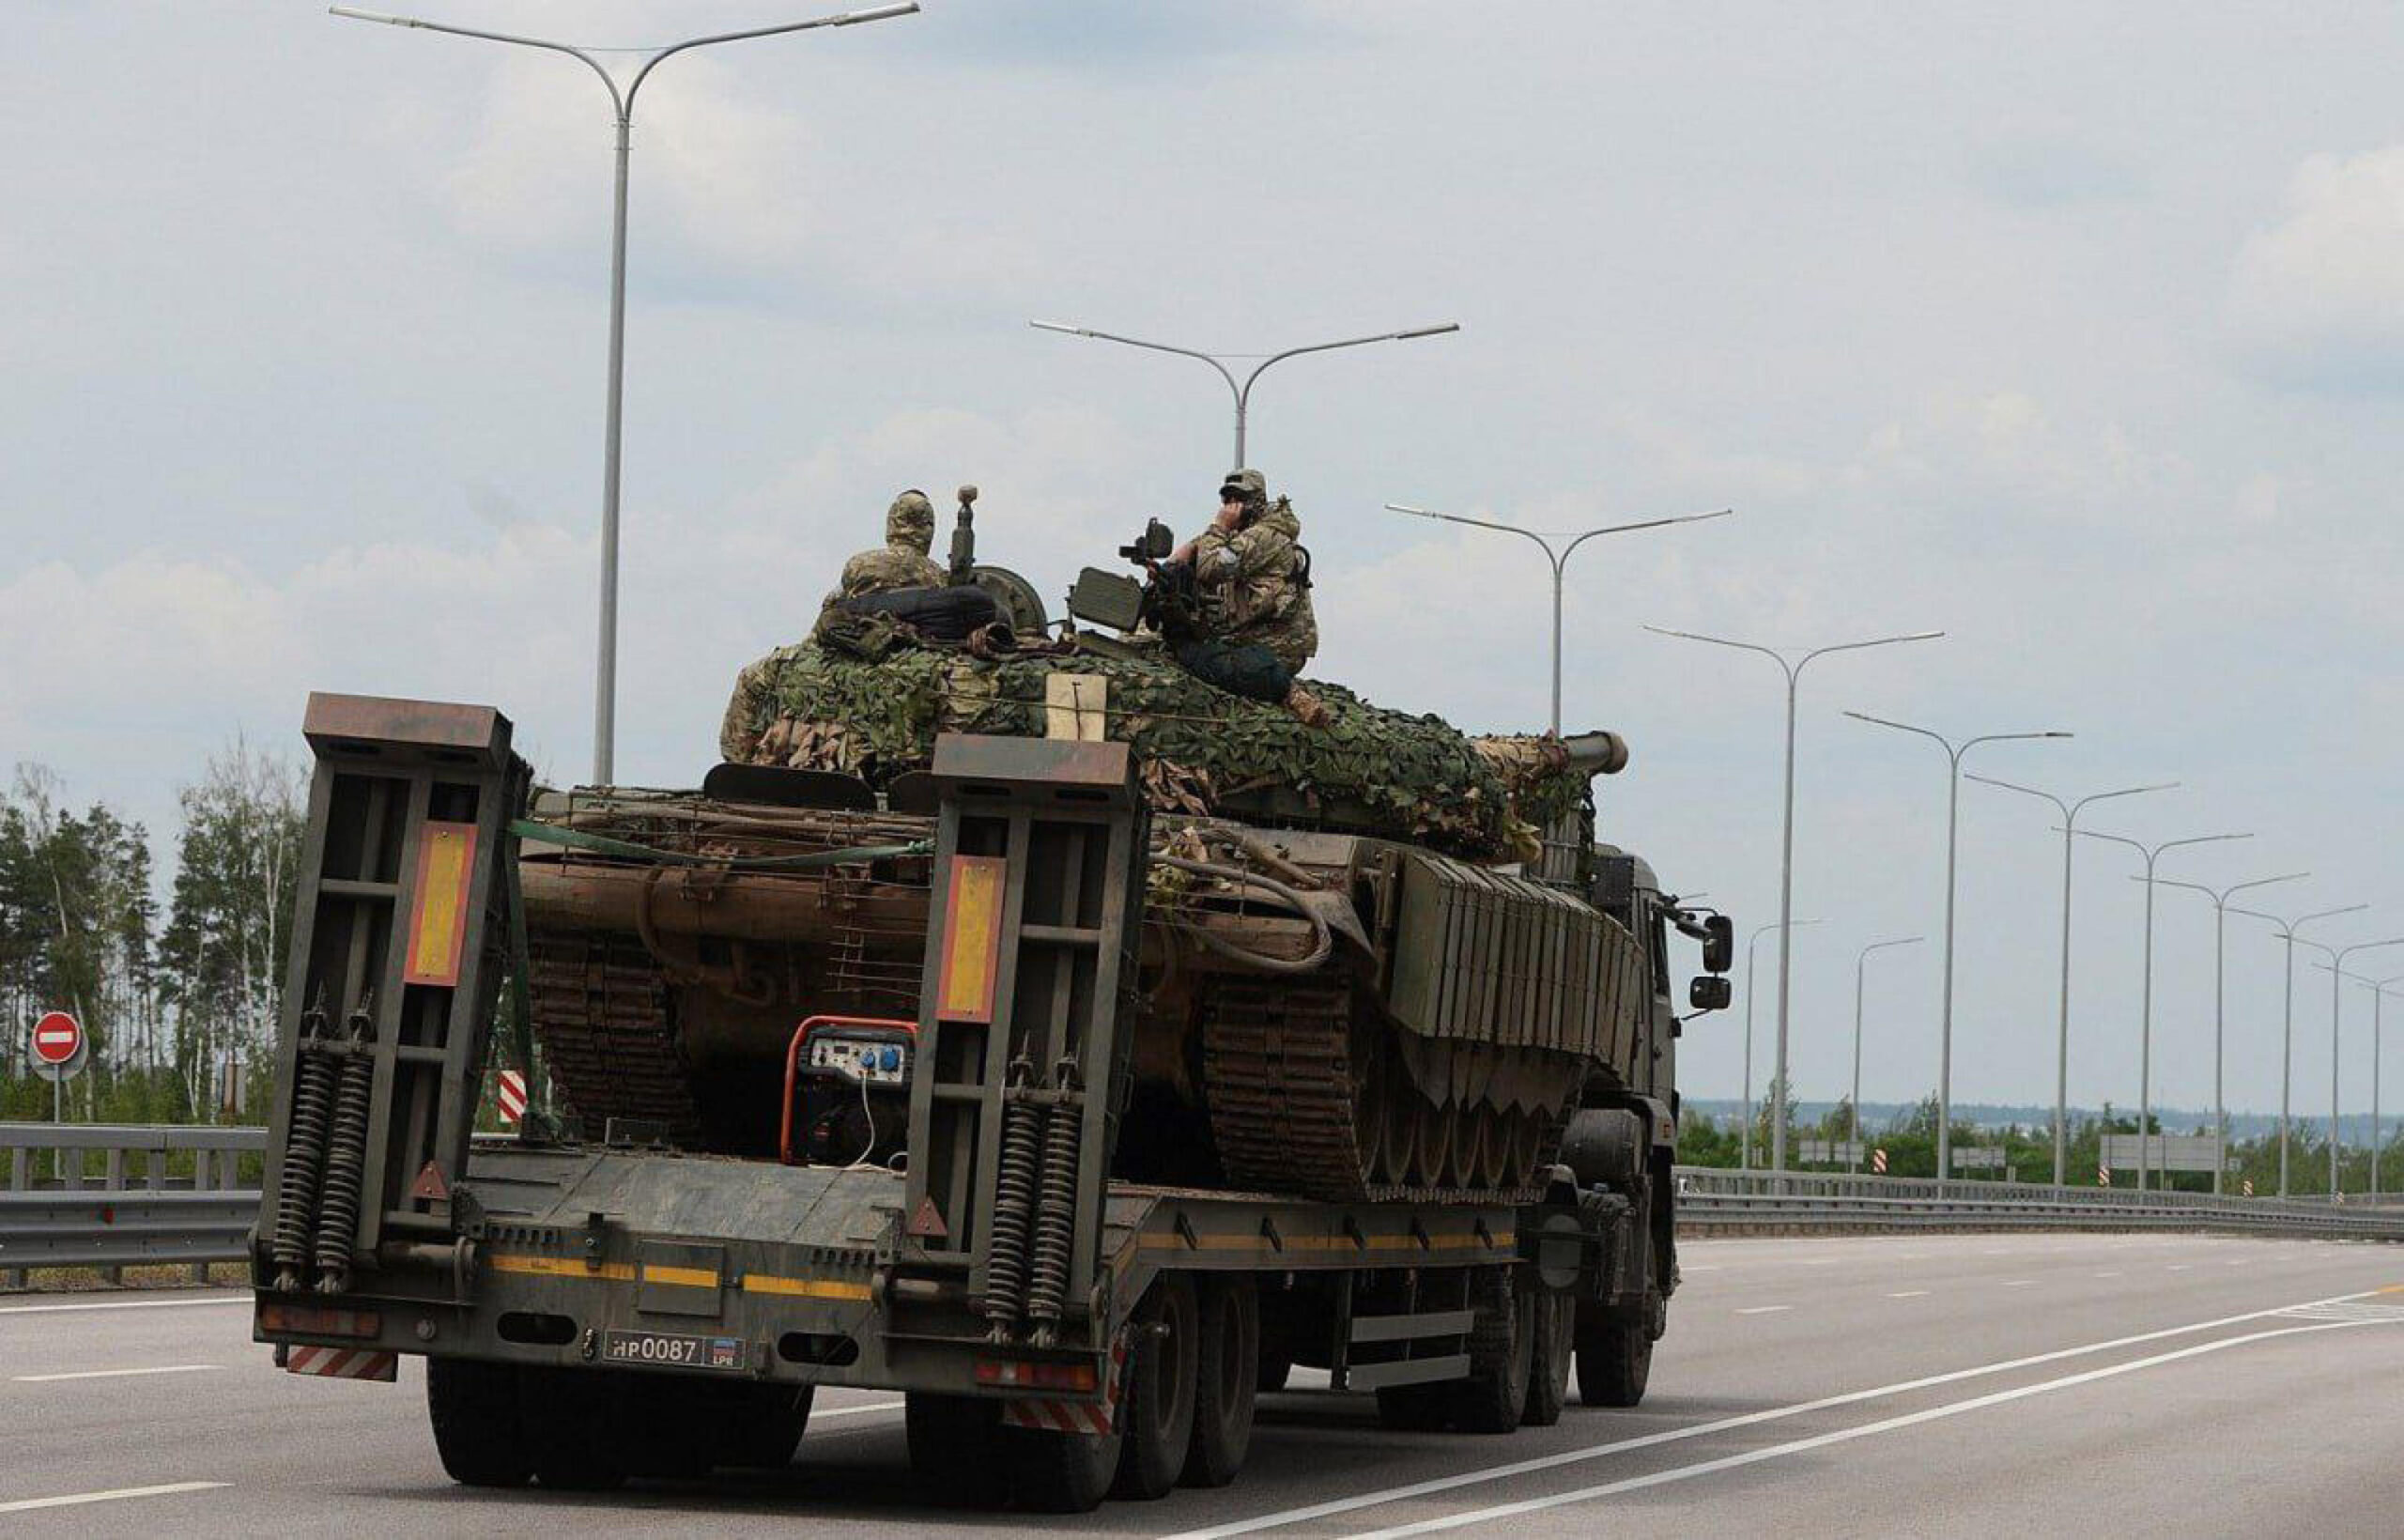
x=1926 y=1385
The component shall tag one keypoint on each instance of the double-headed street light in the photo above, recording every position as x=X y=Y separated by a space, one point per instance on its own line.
x=2145 y=1029
x=1853 y=1157
x=2338 y=956
x=2220 y=981
x=1744 y=1148
x=2061 y=1047
x=1242 y=393
x=1794 y=671
x=2379 y=988
x=605 y=689
x=2287 y=929
x=1953 y=846
x=1559 y=557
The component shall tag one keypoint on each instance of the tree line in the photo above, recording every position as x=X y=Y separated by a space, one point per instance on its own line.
x=179 y=1003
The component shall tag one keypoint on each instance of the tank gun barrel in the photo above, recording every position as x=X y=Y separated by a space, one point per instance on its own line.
x=1596 y=753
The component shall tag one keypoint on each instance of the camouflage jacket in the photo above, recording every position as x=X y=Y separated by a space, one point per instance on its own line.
x=903 y=560
x=1256 y=581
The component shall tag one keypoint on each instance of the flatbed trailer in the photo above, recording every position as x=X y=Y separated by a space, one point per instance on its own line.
x=597 y=1309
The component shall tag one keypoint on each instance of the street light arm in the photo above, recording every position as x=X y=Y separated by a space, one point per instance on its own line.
x=1900 y=941
x=622 y=102
x=2235 y=889
x=1556 y=558
x=1641 y=524
x=1856 y=646
x=1770 y=652
x=2067 y=810
x=2199 y=840
x=843 y=18
x=2119 y=839
x=1233 y=389
x=1436 y=330
x=1937 y=738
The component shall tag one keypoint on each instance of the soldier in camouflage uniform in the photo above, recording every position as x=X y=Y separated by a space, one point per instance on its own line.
x=903 y=560
x=1254 y=573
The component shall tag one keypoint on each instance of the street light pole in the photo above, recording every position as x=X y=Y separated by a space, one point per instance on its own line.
x=1559 y=557
x=1794 y=671
x=1952 y=847
x=2061 y=1045
x=2378 y=1001
x=2286 y=929
x=2220 y=983
x=1242 y=393
x=605 y=687
x=1745 y=1141
x=1853 y=1161
x=2338 y=956
x=2144 y=1030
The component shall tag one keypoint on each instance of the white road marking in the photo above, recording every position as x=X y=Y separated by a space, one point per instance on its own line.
x=855 y=1411
x=114 y=1374
x=1819 y=1261
x=1913 y=1419
x=121 y=1304
x=1910 y=1294
x=2018 y=1282
x=2107 y=1275
x=1699 y=1266
x=2181 y=1267
x=29 y=1503
x=1764 y=1309
x=1697 y=1430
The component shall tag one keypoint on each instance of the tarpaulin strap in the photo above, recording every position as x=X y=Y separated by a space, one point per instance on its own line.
x=601 y=844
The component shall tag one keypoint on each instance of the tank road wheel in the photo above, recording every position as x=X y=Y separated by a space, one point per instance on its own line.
x=1226 y=1379
x=1556 y=1353
x=956 y=1447
x=1501 y=1354
x=571 y=1432
x=1156 y=1413
x=1614 y=1359
x=473 y=1407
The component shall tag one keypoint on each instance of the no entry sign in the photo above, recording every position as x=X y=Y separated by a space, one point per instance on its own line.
x=58 y=1038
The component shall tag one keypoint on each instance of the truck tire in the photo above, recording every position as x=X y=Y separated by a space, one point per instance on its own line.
x=759 y=1428
x=571 y=1434
x=1060 y=1473
x=1226 y=1381
x=1556 y=1352
x=1502 y=1356
x=956 y=1447
x=473 y=1407
x=1156 y=1412
x=1614 y=1360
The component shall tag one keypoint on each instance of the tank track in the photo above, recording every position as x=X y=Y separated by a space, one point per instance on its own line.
x=1285 y=1078
x=602 y=1017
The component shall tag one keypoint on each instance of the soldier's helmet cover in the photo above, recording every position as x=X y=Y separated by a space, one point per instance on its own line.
x=1250 y=487
x=911 y=522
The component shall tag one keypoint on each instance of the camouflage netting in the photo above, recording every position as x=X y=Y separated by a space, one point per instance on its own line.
x=1416 y=777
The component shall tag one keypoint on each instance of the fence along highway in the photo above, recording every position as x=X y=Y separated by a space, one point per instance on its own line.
x=1917 y=1383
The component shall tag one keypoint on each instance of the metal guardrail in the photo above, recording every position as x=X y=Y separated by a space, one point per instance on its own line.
x=1713 y=1198
x=133 y=1211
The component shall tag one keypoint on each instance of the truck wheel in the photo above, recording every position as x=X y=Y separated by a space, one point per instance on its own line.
x=760 y=1430
x=571 y=1433
x=956 y=1447
x=1614 y=1360
x=1227 y=1376
x=473 y=1407
x=1502 y=1356
x=1060 y=1473
x=1156 y=1412
x=1556 y=1350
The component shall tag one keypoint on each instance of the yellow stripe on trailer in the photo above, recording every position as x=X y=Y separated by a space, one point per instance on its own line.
x=561 y=1267
x=809 y=1288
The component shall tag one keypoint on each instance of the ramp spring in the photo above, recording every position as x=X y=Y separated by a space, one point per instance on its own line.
x=1014 y=1206
x=305 y=1152
x=1055 y=1215
x=345 y=1158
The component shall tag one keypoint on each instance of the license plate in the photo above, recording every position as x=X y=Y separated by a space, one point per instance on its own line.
x=673 y=1351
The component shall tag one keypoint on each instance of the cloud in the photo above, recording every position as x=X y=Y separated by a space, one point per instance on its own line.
x=2318 y=298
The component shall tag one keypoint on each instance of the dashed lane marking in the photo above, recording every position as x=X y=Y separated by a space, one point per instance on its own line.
x=28 y=1504
x=1764 y=1309
x=115 y=1374
x=122 y=1304
x=1910 y=1294
x=1773 y=1414
x=855 y=1411
x=2018 y=1282
x=1846 y=1435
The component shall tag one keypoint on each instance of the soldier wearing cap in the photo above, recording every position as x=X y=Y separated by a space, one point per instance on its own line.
x=903 y=560
x=1254 y=573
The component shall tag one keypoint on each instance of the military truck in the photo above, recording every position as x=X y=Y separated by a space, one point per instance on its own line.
x=1076 y=1122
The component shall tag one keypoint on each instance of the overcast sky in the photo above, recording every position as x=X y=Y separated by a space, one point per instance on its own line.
x=2075 y=331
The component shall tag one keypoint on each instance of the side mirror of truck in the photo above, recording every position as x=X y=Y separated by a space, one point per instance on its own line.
x=1709 y=993
x=1719 y=945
